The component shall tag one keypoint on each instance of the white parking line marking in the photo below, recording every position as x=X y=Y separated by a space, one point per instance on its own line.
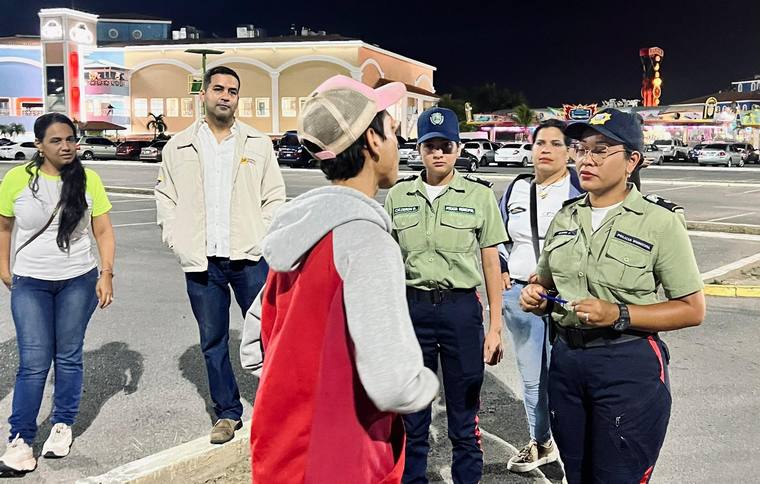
x=749 y=191
x=130 y=195
x=727 y=217
x=730 y=267
x=677 y=188
x=135 y=210
x=135 y=225
x=141 y=200
x=724 y=235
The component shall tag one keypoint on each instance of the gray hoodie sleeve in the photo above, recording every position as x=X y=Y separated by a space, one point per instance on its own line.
x=251 y=352
x=388 y=356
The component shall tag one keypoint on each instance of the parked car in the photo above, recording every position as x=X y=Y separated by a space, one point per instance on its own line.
x=465 y=161
x=92 y=147
x=727 y=154
x=5 y=141
x=753 y=157
x=748 y=152
x=130 y=150
x=653 y=155
x=514 y=154
x=153 y=152
x=482 y=149
x=694 y=150
x=673 y=149
x=18 y=151
x=292 y=153
x=405 y=150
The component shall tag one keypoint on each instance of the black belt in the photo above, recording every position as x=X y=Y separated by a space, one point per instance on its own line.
x=588 y=338
x=435 y=296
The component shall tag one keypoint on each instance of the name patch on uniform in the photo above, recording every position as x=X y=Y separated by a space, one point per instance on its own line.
x=450 y=208
x=642 y=244
x=565 y=232
x=405 y=210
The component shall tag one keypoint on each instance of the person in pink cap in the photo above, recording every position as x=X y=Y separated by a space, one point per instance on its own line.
x=330 y=333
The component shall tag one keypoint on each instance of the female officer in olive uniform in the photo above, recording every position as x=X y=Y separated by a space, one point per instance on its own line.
x=441 y=219
x=606 y=253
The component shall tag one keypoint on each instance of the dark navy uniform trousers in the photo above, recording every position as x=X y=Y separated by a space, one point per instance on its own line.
x=449 y=327
x=609 y=409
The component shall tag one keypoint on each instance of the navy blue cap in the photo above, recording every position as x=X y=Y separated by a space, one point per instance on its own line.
x=625 y=128
x=438 y=123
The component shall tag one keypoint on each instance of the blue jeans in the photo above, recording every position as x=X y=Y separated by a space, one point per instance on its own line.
x=209 y=294
x=50 y=318
x=530 y=341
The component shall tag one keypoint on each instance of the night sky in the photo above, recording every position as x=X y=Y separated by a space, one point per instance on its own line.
x=553 y=52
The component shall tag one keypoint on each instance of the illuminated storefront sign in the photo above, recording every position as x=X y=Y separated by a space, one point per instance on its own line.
x=579 y=112
x=108 y=80
x=81 y=34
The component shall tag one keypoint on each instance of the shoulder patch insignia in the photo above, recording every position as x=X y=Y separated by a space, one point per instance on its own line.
x=406 y=179
x=657 y=200
x=573 y=200
x=475 y=179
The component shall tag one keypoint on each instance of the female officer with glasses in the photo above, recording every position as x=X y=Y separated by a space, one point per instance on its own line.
x=605 y=255
x=442 y=220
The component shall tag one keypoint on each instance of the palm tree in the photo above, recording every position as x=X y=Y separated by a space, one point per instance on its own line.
x=16 y=129
x=4 y=129
x=524 y=116
x=157 y=124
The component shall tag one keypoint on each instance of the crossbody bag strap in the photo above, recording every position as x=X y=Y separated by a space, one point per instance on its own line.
x=534 y=220
x=42 y=230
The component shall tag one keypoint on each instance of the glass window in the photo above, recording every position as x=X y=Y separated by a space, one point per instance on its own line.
x=141 y=107
x=246 y=107
x=172 y=107
x=56 y=97
x=157 y=105
x=262 y=107
x=187 y=107
x=5 y=106
x=289 y=107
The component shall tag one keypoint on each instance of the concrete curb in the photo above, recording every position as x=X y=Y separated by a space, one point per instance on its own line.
x=723 y=227
x=726 y=290
x=130 y=190
x=195 y=461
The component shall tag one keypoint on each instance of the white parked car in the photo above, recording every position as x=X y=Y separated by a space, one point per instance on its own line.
x=18 y=151
x=514 y=154
x=727 y=154
x=482 y=149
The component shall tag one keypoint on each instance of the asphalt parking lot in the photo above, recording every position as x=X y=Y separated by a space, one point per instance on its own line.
x=145 y=386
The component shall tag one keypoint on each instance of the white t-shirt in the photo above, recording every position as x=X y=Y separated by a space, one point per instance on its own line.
x=598 y=215
x=434 y=191
x=218 y=164
x=522 y=259
x=42 y=258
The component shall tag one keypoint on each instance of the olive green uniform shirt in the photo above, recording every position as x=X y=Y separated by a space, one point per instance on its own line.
x=640 y=245
x=440 y=239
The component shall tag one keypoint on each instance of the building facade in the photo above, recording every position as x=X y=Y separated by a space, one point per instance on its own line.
x=123 y=70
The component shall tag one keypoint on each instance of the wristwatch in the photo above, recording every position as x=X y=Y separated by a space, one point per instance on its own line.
x=624 y=321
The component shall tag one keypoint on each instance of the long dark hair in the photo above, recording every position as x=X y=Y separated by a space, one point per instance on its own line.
x=73 y=203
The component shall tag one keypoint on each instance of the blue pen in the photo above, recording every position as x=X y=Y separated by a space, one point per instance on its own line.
x=553 y=299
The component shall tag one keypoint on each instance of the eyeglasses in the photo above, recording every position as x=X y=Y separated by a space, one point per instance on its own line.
x=447 y=147
x=597 y=155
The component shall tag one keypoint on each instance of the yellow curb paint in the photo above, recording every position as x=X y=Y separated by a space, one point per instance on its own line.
x=721 y=290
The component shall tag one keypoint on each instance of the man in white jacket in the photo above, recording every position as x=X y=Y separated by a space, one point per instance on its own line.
x=218 y=187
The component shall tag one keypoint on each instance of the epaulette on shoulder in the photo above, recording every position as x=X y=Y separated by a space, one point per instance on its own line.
x=406 y=179
x=573 y=200
x=667 y=204
x=475 y=179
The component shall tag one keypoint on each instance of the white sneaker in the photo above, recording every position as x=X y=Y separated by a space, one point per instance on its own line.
x=59 y=442
x=18 y=458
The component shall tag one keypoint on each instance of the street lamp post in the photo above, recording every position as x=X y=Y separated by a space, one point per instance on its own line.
x=204 y=53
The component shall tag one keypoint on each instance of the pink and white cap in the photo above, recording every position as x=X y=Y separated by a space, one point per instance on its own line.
x=338 y=112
